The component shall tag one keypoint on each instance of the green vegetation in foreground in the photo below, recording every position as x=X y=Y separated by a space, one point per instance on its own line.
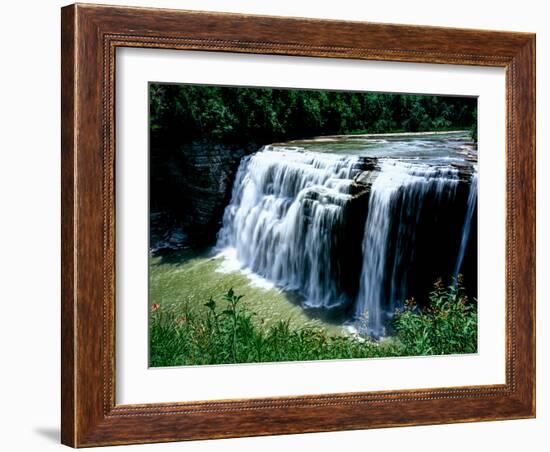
x=225 y=333
x=190 y=278
x=447 y=325
x=180 y=113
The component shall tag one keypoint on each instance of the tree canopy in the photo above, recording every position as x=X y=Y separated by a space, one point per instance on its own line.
x=264 y=115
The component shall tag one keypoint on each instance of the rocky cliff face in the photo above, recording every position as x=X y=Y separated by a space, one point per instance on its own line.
x=190 y=188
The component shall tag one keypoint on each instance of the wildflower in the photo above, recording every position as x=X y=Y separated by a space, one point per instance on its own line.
x=439 y=286
x=155 y=307
x=410 y=304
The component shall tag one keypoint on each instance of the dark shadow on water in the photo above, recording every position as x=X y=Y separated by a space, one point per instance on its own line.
x=178 y=257
x=52 y=434
x=334 y=316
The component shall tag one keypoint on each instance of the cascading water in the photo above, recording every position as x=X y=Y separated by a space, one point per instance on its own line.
x=285 y=209
x=360 y=229
x=407 y=185
x=472 y=203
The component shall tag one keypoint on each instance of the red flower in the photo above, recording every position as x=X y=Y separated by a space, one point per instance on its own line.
x=155 y=307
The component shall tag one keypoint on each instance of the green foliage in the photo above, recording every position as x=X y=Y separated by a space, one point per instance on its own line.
x=473 y=128
x=182 y=113
x=447 y=325
x=226 y=334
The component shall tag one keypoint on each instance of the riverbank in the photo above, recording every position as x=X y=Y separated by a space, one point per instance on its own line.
x=189 y=278
x=226 y=331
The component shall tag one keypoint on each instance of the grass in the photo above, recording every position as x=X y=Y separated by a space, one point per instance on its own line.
x=185 y=280
x=228 y=335
x=226 y=331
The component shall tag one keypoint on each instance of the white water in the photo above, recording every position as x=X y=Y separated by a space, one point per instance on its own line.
x=472 y=202
x=284 y=210
x=407 y=184
x=289 y=209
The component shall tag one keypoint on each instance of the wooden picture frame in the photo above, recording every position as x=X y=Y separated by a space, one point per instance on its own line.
x=90 y=36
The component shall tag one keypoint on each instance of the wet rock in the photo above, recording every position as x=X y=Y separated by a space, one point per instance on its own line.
x=190 y=188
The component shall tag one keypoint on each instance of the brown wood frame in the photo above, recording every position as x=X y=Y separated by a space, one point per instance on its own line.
x=90 y=35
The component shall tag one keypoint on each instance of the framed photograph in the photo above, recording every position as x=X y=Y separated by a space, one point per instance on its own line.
x=281 y=225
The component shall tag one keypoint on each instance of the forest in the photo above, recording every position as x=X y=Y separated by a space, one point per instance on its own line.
x=180 y=113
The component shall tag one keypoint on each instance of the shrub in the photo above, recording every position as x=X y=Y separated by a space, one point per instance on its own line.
x=447 y=325
x=226 y=333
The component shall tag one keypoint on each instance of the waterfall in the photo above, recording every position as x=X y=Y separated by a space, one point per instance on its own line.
x=405 y=185
x=285 y=211
x=472 y=203
x=311 y=222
